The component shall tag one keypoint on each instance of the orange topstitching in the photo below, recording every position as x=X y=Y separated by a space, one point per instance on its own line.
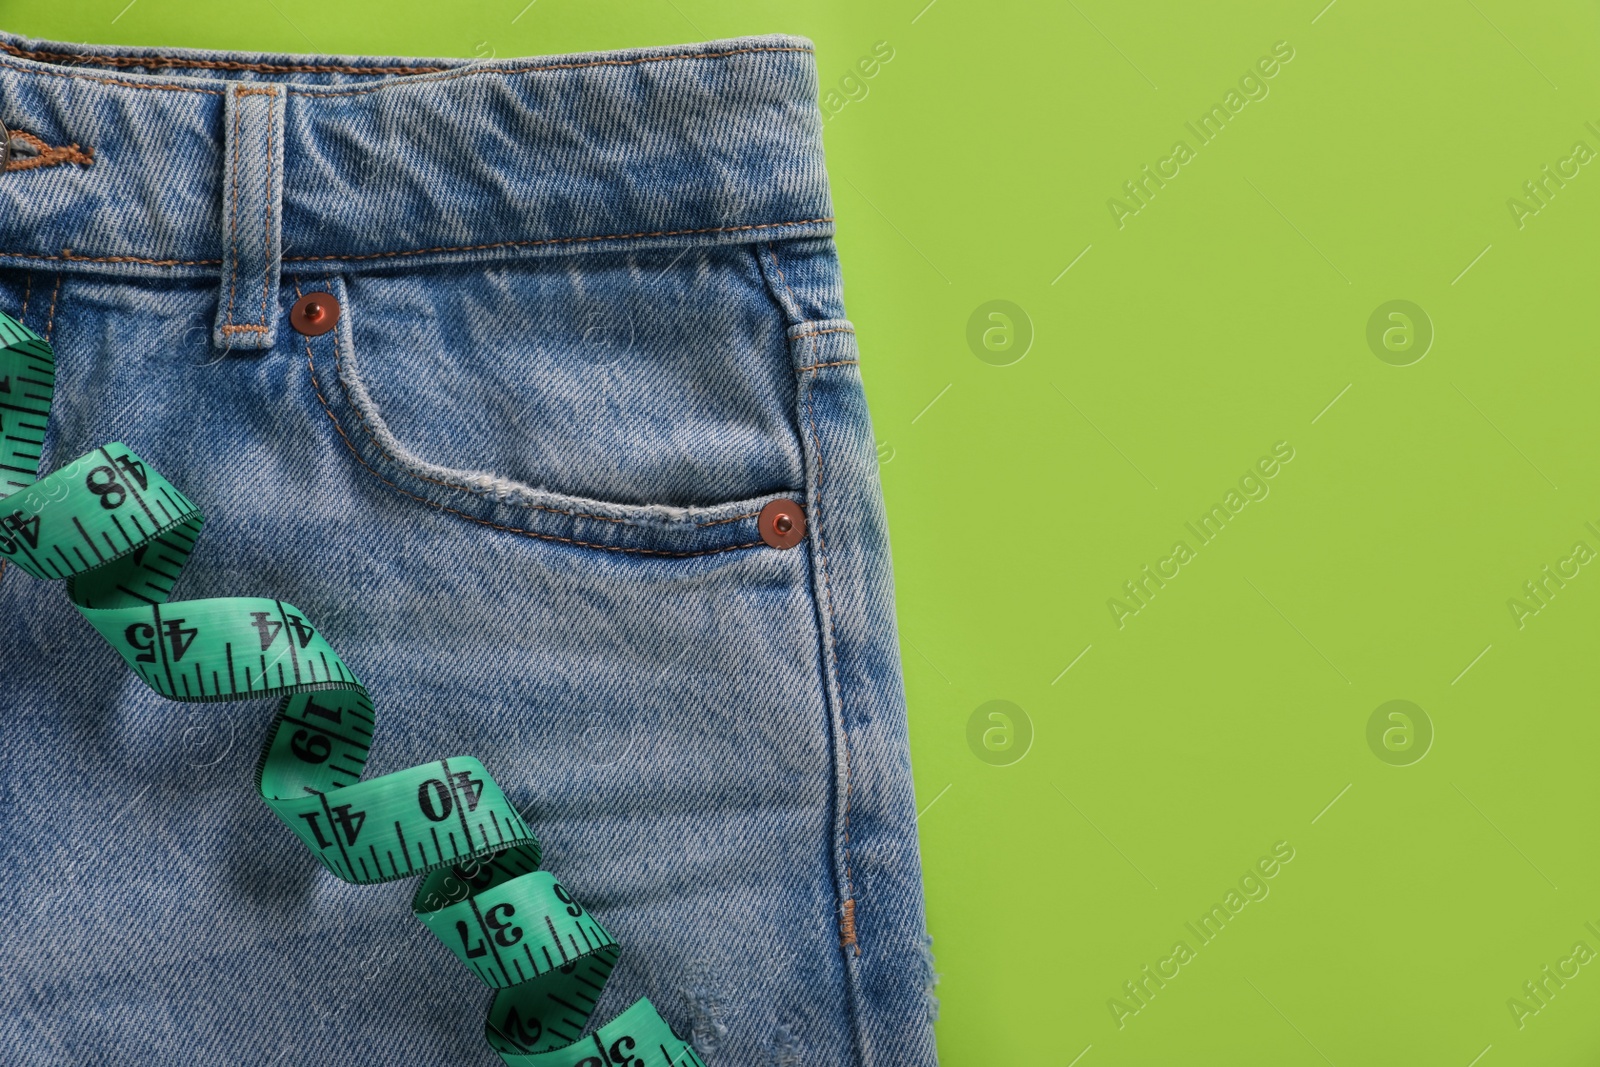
x=49 y=155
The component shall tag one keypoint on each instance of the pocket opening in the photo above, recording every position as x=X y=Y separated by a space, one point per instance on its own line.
x=487 y=495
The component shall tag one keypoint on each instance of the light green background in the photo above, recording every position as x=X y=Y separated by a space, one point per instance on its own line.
x=1231 y=712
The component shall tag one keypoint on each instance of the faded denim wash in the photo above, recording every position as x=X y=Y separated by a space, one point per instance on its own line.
x=592 y=322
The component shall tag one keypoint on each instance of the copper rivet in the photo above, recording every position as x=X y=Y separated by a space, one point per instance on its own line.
x=314 y=314
x=782 y=524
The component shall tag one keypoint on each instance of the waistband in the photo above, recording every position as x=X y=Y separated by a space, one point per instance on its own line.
x=130 y=158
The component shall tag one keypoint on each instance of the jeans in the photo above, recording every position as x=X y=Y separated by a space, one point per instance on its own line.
x=590 y=325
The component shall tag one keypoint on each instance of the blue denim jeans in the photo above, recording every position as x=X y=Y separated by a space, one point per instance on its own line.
x=591 y=324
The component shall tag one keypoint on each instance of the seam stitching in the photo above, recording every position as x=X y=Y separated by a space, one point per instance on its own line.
x=266 y=207
x=847 y=926
x=381 y=88
x=112 y=81
x=847 y=921
x=41 y=55
x=835 y=363
x=361 y=419
x=562 y=240
x=557 y=66
x=819 y=333
x=50 y=321
x=49 y=155
x=27 y=291
x=731 y=518
x=68 y=255
x=233 y=246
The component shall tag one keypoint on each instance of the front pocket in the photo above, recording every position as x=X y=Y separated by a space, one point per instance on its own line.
x=637 y=401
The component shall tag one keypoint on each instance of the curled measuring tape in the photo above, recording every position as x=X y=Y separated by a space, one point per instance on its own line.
x=118 y=533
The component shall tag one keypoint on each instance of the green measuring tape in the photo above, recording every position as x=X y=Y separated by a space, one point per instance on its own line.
x=118 y=533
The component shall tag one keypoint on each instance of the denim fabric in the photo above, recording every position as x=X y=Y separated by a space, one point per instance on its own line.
x=592 y=322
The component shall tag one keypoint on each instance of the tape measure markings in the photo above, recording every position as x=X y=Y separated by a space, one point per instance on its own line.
x=481 y=893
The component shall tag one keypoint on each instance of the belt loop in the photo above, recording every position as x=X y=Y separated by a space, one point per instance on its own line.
x=252 y=216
